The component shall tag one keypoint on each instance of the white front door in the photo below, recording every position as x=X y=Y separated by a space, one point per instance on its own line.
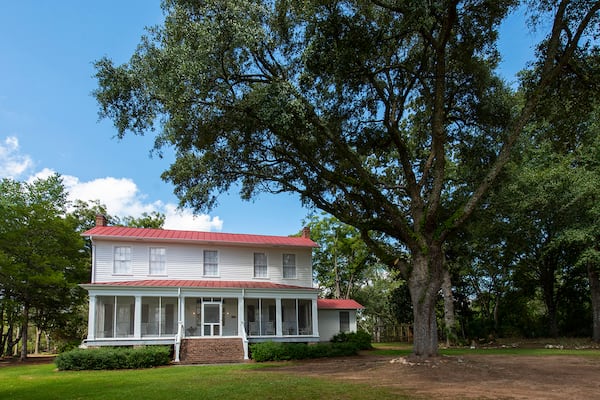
x=211 y=319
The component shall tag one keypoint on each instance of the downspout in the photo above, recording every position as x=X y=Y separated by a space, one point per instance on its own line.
x=179 y=327
x=93 y=277
x=243 y=326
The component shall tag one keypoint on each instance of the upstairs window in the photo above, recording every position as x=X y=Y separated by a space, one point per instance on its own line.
x=260 y=265
x=158 y=261
x=289 y=265
x=211 y=263
x=122 y=260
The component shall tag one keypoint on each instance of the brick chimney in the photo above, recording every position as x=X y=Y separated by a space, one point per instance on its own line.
x=306 y=232
x=101 y=220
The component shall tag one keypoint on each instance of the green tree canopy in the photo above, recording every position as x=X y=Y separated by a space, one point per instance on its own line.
x=388 y=115
x=342 y=263
x=41 y=254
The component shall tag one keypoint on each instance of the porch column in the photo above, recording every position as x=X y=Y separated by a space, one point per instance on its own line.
x=315 y=318
x=137 y=318
x=180 y=313
x=278 y=319
x=241 y=319
x=92 y=317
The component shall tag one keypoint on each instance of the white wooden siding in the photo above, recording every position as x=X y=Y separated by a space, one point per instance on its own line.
x=329 y=323
x=184 y=261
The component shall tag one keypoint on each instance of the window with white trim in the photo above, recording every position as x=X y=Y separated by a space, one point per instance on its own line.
x=260 y=265
x=344 y=321
x=211 y=263
x=158 y=261
x=122 y=260
x=289 y=265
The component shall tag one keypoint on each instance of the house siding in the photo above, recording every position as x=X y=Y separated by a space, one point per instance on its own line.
x=185 y=261
x=329 y=323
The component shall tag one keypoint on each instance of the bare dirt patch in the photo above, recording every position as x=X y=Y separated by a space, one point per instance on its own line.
x=31 y=360
x=466 y=377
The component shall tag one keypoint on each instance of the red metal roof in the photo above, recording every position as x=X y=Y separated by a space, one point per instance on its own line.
x=126 y=233
x=338 y=304
x=200 y=284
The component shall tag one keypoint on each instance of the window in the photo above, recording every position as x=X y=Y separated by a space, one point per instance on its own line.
x=260 y=265
x=158 y=261
x=211 y=264
x=122 y=260
x=289 y=265
x=344 y=321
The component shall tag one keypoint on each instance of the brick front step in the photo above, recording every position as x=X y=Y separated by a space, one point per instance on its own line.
x=211 y=351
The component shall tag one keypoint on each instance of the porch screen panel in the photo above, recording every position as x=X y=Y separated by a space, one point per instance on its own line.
x=168 y=316
x=305 y=317
x=268 y=317
x=289 y=317
x=105 y=308
x=150 y=316
x=252 y=321
x=125 y=314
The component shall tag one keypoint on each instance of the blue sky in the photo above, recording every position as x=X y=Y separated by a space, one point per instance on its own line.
x=49 y=120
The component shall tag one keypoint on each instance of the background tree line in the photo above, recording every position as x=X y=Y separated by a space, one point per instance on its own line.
x=43 y=258
x=390 y=115
x=526 y=265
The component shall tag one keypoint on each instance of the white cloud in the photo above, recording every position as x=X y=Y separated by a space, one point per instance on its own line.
x=122 y=197
x=187 y=221
x=12 y=163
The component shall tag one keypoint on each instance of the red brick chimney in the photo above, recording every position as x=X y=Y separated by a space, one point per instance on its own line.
x=101 y=220
x=306 y=232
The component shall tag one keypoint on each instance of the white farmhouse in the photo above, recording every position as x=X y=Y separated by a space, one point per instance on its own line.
x=208 y=294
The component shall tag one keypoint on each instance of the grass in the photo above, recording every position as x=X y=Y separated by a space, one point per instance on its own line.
x=239 y=381
x=243 y=381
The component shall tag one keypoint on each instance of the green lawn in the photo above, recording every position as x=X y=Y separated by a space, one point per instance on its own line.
x=244 y=381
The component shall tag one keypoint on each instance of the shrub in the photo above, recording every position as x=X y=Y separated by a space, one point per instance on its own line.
x=113 y=358
x=361 y=339
x=277 y=351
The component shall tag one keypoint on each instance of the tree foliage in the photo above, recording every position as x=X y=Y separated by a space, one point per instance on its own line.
x=41 y=257
x=342 y=263
x=389 y=115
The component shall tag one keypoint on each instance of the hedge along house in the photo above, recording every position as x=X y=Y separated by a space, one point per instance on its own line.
x=208 y=294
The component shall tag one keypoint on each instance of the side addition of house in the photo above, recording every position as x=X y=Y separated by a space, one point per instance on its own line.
x=208 y=294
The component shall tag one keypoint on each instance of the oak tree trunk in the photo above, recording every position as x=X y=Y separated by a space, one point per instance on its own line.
x=424 y=283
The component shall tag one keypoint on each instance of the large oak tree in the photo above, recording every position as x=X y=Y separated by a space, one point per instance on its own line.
x=389 y=115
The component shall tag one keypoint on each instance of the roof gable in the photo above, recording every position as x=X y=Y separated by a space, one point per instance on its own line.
x=165 y=235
